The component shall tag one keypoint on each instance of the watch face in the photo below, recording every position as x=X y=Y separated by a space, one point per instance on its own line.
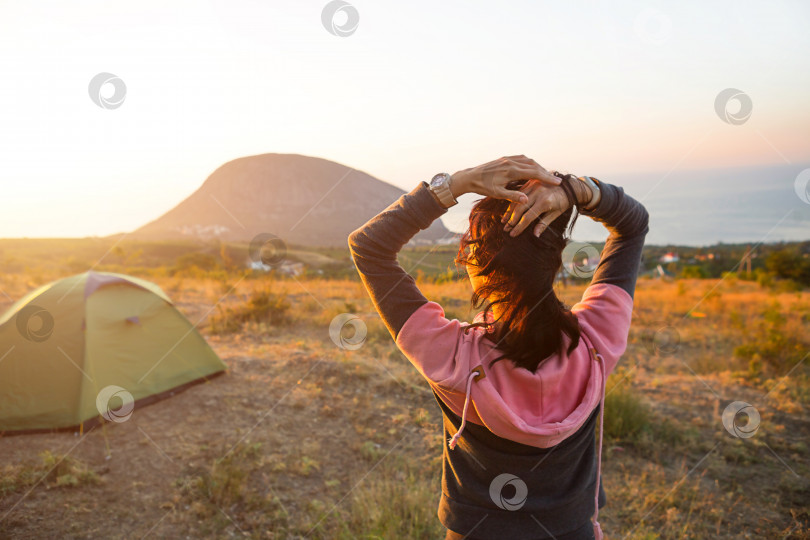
x=437 y=180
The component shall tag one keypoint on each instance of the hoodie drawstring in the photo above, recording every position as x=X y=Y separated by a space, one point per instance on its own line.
x=475 y=374
x=597 y=529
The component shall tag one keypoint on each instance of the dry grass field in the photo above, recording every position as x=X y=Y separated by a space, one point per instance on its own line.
x=302 y=439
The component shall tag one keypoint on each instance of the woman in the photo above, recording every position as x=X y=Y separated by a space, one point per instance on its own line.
x=520 y=388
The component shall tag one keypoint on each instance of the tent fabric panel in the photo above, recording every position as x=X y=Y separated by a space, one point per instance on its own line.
x=159 y=353
x=63 y=288
x=96 y=280
x=40 y=381
x=143 y=402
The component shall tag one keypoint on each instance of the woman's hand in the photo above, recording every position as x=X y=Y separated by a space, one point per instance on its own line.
x=490 y=179
x=543 y=200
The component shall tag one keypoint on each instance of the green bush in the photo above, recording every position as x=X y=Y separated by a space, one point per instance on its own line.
x=693 y=271
x=764 y=278
x=789 y=264
x=770 y=343
x=626 y=415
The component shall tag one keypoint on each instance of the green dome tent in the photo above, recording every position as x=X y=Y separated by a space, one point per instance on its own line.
x=68 y=347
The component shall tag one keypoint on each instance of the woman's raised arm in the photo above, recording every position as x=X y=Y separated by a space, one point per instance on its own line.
x=627 y=220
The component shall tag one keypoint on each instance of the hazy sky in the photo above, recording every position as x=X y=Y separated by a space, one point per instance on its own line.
x=420 y=87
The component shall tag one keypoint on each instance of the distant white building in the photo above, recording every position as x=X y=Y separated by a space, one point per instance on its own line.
x=453 y=239
x=669 y=257
x=290 y=268
x=450 y=240
x=203 y=231
x=419 y=242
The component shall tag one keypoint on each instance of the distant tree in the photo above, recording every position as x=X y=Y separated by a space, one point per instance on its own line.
x=789 y=264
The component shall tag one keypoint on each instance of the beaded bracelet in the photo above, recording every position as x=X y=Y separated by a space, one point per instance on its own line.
x=568 y=188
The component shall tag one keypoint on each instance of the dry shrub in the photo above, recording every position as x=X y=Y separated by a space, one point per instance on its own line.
x=263 y=306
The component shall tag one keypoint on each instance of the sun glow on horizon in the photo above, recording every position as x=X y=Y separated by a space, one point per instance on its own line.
x=416 y=89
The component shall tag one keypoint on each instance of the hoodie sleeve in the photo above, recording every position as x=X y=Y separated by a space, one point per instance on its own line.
x=604 y=315
x=606 y=308
x=626 y=220
x=420 y=329
x=374 y=248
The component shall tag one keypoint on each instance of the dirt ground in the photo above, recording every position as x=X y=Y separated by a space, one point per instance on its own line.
x=300 y=439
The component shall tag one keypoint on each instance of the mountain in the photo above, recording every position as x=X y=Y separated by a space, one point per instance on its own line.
x=301 y=199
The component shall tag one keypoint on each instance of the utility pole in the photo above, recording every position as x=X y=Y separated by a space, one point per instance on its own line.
x=746 y=260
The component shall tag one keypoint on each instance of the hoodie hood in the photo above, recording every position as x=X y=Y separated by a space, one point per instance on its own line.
x=538 y=409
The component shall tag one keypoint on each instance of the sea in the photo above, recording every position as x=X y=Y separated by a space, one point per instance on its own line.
x=702 y=207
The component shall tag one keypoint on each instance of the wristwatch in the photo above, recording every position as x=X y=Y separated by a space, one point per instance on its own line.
x=597 y=193
x=440 y=186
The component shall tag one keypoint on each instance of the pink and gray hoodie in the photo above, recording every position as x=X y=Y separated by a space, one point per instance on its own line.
x=522 y=460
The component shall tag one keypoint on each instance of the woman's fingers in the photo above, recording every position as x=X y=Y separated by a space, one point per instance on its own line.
x=545 y=221
x=530 y=189
x=508 y=212
x=528 y=216
x=520 y=172
x=512 y=195
x=523 y=214
x=514 y=211
x=492 y=178
x=511 y=218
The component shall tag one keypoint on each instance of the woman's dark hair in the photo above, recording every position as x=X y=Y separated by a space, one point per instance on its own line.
x=520 y=275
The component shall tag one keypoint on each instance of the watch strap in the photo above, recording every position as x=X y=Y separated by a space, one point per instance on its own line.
x=443 y=192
